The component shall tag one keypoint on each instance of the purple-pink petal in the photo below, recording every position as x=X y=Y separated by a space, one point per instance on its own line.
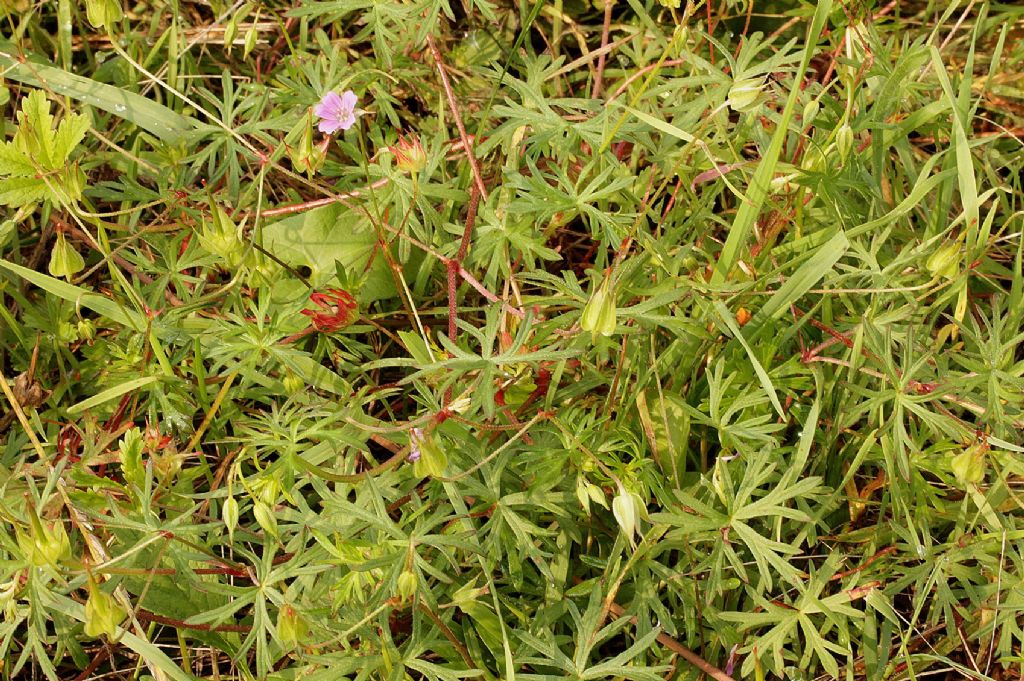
x=415 y=439
x=337 y=112
x=329 y=104
x=329 y=126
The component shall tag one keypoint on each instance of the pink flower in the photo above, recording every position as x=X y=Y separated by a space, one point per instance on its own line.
x=336 y=112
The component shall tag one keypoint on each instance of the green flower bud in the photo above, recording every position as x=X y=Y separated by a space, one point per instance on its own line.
x=588 y=493
x=814 y=160
x=8 y=598
x=86 y=329
x=969 y=465
x=261 y=272
x=102 y=13
x=229 y=514
x=265 y=517
x=231 y=28
x=627 y=507
x=102 y=613
x=250 y=37
x=306 y=156
x=268 y=489
x=731 y=584
x=7 y=226
x=291 y=627
x=428 y=457
x=599 y=313
x=221 y=237
x=166 y=464
x=407 y=584
x=945 y=261
x=844 y=141
x=856 y=47
x=293 y=384
x=582 y=495
x=67 y=332
x=72 y=183
x=745 y=94
x=230 y=32
x=811 y=112
x=46 y=546
x=65 y=261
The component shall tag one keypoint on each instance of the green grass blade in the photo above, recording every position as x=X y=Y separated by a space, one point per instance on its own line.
x=660 y=125
x=804 y=279
x=111 y=393
x=318 y=375
x=747 y=214
x=167 y=125
x=962 y=148
x=926 y=182
x=78 y=296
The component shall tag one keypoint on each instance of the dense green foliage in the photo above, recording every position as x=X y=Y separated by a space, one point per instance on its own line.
x=644 y=330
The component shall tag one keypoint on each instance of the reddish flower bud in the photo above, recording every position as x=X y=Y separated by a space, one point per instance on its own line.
x=337 y=310
x=409 y=154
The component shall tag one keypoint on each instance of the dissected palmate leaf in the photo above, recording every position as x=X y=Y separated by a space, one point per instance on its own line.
x=35 y=165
